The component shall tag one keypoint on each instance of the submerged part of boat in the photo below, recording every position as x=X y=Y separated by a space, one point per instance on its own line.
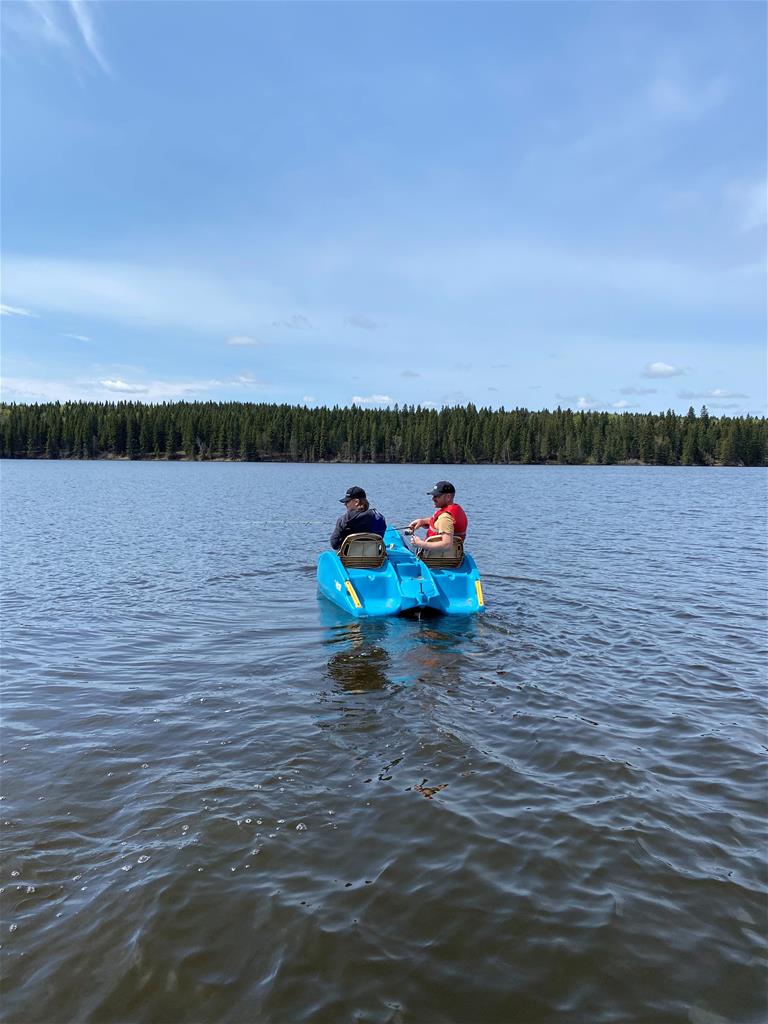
x=371 y=576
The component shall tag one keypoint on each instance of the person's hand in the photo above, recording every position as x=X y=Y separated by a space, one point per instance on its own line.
x=416 y=524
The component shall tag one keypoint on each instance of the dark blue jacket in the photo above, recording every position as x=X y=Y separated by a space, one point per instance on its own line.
x=358 y=521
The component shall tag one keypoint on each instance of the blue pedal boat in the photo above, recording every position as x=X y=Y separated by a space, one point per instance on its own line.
x=374 y=576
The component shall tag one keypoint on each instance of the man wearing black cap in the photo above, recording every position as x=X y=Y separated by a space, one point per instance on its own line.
x=359 y=518
x=449 y=519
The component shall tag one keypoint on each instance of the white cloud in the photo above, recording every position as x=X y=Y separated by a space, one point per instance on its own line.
x=662 y=370
x=14 y=311
x=77 y=337
x=247 y=380
x=308 y=399
x=30 y=389
x=372 y=400
x=81 y=12
x=242 y=339
x=713 y=393
x=40 y=21
x=112 y=388
x=638 y=391
x=66 y=27
x=731 y=405
x=121 y=386
x=580 y=401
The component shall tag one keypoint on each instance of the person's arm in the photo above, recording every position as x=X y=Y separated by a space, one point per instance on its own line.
x=338 y=531
x=417 y=523
x=440 y=542
x=444 y=538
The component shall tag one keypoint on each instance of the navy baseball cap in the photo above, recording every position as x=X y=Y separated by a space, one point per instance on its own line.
x=442 y=487
x=353 y=492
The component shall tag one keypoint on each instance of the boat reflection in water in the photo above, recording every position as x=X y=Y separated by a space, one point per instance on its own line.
x=370 y=654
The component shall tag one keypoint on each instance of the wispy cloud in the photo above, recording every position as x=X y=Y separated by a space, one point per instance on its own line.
x=473 y=269
x=450 y=276
x=298 y=322
x=638 y=391
x=242 y=339
x=29 y=389
x=365 y=323
x=749 y=201
x=36 y=389
x=66 y=27
x=82 y=14
x=671 y=96
x=712 y=393
x=372 y=400
x=247 y=380
x=14 y=311
x=409 y=373
x=138 y=294
x=452 y=398
x=662 y=370
x=77 y=337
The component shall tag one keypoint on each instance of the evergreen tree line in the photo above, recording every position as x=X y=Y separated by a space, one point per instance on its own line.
x=244 y=431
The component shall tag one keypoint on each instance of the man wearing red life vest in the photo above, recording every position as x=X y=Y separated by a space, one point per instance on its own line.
x=449 y=519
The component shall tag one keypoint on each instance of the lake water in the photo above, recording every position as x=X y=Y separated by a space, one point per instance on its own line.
x=222 y=798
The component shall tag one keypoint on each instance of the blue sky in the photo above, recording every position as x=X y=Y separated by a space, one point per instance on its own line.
x=510 y=204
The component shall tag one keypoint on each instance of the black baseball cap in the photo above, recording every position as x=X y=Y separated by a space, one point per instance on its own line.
x=442 y=487
x=353 y=492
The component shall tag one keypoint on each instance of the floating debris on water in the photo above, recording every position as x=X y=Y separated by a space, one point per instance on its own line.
x=429 y=791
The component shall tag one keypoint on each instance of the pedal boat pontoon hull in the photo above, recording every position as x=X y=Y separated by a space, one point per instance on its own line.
x=371 y=576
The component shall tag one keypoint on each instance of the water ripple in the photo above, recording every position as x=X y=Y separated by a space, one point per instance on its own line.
x=224 y=801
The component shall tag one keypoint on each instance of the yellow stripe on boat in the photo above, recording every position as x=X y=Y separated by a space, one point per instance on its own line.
x=479 y=590
x=353 y=594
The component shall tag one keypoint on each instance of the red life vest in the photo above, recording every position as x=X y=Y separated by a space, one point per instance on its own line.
x=457 y=514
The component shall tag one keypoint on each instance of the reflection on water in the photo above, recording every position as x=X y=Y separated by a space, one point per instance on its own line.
x=361 y=669
x=378 y=652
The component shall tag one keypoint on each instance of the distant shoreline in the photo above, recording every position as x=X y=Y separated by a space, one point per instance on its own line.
x=343 y=462
x=411 y=435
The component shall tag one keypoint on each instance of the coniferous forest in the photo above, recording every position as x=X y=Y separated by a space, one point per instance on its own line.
x=244 y=431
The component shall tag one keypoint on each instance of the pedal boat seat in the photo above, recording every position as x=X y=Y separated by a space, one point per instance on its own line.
x=443 y=558
x=363 y=551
